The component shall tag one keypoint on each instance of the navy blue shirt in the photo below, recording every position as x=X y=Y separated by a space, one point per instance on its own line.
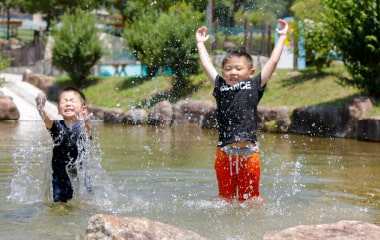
x=68 y=144
x=237 y=109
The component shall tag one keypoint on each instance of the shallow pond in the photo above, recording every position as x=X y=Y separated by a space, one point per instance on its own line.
x=166 y=174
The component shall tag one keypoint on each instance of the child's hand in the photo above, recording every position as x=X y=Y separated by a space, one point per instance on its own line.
x=85 y=120
x=84 y=117
x=284 y=27
x=201 y=35
x=40 y=101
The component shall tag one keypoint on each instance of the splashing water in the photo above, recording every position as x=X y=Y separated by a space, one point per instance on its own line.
x=33 y=174
x=91 y=183
x=32 y=180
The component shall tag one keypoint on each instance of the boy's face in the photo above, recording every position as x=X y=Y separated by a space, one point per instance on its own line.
x=70 y=105
x=237 y=69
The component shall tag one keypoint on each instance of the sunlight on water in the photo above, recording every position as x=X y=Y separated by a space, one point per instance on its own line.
x=166 y=174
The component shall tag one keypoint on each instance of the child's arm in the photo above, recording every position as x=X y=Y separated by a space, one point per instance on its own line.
x=204 y=57
x=40 y=101
x=270 y=66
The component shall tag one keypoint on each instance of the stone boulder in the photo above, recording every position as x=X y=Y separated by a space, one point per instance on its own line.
x=320 y=121
x=8 y=109
x=41 y=81
x=369 y=129
x=209 y=119
x=161 y=114
x=278 y=116
x=102 y=226
x=191 y=111
x=113 y=115
x=355 y=109
x=98 y=112
x=342 y=230
x=135 y=116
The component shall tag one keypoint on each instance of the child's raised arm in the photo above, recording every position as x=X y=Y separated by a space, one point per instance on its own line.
x=40 y=102
x=270 y=66
x=204 y=57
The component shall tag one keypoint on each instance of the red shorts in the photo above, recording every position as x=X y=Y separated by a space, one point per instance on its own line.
x=238 y=175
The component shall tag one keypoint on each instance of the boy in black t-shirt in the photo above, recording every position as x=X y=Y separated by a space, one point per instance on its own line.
x=69 y=136
x=237 y=93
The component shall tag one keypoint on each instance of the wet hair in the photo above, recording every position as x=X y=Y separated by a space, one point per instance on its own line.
x=73 y=89
x=238 y=53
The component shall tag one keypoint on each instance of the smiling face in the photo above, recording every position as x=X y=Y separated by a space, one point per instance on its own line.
x=71 y=105
x=237 y=69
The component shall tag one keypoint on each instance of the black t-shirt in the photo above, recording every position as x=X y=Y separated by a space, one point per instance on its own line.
x=68 y=143
x=237 y=109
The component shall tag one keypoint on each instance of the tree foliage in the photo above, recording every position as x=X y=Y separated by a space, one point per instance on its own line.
x=76 y=45
x=54 y=8
x=356 y=28
x=315 y=32
x=167 y=40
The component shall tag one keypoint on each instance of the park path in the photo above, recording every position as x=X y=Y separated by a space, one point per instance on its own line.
x=24 y=95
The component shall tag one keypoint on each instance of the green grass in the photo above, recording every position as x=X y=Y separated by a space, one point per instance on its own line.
x=306 y=88
x=286 y=88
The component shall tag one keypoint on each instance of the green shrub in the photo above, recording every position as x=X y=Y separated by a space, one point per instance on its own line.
x=76 y=45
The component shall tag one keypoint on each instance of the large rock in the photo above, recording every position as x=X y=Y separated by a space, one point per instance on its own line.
x=191 y=111
x=355 y=109
x=135 y=116
x=209 y=119
x=369 y=129
x=119 y=228
x=278 y=116
x=113 y=115
x=41 y=81
x=8 y=109
x=161 y=114
x=343 y=230
x=98 y=112
x=317 y=121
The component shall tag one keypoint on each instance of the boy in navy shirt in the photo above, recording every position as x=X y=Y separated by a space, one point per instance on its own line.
x=69 y=137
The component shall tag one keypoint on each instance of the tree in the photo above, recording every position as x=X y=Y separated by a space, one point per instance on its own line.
x=76 y=45
x=167 y=40
x=54 y=8
x=356 y=28
x=318 y=45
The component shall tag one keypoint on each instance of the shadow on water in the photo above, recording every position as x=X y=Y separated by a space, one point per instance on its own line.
x=166 y=174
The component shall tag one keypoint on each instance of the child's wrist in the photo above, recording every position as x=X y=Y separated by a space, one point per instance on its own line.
x=42 y=113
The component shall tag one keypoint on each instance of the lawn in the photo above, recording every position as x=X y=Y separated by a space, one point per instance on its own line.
x=286 y=88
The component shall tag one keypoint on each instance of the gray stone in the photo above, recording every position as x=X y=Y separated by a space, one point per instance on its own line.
x=317 y=121
x=41 y=81
x=113 y=115
x=161 y=114
x=278 y=115
x=8 y=109
x=106 y=227
x=355 y=109
x=135 y=116
x=191 y=111
x=209 y=119
x=342 y=230
x=369 y=129
x=98 y=112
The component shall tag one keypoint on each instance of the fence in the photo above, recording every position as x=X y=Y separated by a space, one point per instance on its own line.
x=26 y=55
